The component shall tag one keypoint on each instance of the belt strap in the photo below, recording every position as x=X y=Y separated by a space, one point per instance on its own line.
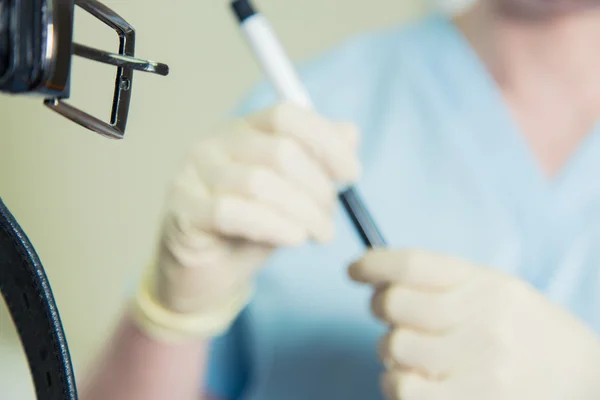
x=26 y=290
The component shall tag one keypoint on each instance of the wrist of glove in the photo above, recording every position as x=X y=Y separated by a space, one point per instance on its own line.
x=166 y=325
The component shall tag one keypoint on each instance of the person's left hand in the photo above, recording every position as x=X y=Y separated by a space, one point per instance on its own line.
x=464 y=332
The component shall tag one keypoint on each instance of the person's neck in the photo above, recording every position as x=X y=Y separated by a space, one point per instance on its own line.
x=548 y=72
x=558 y=54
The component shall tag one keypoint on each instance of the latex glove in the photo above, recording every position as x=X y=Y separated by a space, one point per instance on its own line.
x=263 y=182
x=464 y=332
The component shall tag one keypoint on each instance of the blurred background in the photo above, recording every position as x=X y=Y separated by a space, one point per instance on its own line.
x=91 y=205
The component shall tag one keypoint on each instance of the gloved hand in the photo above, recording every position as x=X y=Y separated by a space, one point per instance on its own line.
x=463 y=332
x=263 y=182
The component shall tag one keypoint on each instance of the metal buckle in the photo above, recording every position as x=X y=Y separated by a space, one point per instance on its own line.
x=125 y=62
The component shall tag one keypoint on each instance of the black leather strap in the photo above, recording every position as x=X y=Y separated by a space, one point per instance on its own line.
x=4 y=39
x=22 y=38
x=25 y=288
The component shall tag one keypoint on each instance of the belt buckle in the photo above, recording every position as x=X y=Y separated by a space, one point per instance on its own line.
x=124 y=60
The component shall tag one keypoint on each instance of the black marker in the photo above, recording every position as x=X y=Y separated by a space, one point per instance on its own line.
x=281 y=73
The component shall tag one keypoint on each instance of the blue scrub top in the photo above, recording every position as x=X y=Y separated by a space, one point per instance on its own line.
x=447 y=170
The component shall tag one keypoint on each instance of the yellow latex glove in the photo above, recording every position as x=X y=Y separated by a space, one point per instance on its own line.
x=263 y=182
x=459 y=331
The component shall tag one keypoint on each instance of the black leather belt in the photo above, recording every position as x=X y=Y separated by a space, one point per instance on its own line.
x=29 y=298
x=36 y=45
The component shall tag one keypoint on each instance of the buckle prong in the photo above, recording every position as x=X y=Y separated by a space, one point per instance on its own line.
x=119 y=60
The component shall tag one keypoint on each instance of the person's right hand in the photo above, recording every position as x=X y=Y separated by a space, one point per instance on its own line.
x=264 y=182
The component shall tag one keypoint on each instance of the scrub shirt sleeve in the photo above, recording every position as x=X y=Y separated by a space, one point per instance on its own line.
x=228 y=368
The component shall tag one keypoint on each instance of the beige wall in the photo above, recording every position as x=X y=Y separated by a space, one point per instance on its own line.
x=91 y=205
